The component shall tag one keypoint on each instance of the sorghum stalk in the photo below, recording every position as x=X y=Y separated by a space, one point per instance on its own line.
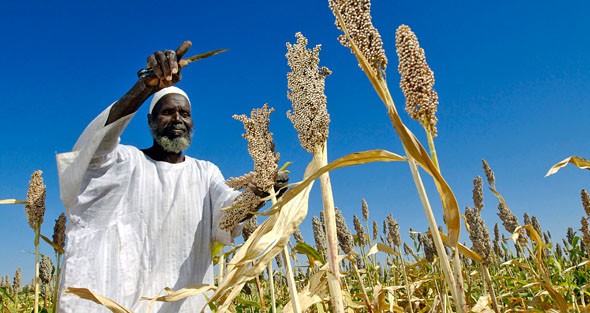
x=288 y=268
x=457 y=292
x=310 y=117
x=59 y=238
x=35 y=209
x=354 y=19
x=331 y=232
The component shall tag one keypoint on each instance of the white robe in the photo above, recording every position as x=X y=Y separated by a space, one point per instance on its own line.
x=137 y=225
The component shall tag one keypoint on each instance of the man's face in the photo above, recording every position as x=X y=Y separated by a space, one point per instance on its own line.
x=171 y=123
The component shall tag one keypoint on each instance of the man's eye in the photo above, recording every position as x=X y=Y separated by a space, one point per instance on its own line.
x=185 y=114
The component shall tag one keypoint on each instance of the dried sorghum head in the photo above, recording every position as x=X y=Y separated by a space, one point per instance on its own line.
x=355 y=17
x=35 y=206
x=249 y=227
x=306 y=83
x=261 y=146
x=238 y=183
x=489 y=173
x=478 y=193
x=16 y=282
x=59 y=231
x=365 y=209
x=298 y=235
x=345 y=238
x=417 y=79
x=375 y=230
x=45 y=269
x=570 y=235
x=360 y=231
x=585 y=232
x=428 y=246
x=243 y=205
x=585 y=201
x=479 y=234
x=393 y=235
x=536 y=225
x=319 y=236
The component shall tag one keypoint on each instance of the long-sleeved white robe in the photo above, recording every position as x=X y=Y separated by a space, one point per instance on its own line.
x=137 y=225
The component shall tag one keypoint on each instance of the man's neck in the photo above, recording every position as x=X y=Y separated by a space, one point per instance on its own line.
x=157 y=153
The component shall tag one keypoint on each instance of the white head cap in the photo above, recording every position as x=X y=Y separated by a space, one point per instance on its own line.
x=172 y=89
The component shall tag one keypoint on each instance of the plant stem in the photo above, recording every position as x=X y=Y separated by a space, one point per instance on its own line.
x=271 y=281
x=57 y=278
x=488 y=280
x=330 y=219
x=364 y=290
x=432 y=149
x=37 y=231
x=440 y=249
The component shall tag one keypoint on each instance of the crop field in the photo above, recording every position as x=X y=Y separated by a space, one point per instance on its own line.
x=358 y=265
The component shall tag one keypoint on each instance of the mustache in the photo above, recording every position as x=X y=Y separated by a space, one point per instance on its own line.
x=176 y=127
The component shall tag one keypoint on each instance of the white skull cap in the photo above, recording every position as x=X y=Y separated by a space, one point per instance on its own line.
x=168 y=90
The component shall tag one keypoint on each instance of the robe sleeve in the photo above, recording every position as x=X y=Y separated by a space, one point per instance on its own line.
x=96 y=142
x=221 y=196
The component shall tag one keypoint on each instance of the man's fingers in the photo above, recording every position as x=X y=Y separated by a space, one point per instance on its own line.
x=172 y=64
x=182 y=49
x=163 y=62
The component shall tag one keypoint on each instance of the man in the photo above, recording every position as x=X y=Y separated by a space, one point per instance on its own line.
x=141 y=220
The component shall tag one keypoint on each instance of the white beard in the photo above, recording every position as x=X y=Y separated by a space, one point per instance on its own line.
x=175 y=145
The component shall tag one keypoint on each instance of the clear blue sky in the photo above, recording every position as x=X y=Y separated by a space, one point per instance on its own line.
x=513 y=80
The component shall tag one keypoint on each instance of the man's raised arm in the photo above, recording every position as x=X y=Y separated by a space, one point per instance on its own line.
x=166 y=67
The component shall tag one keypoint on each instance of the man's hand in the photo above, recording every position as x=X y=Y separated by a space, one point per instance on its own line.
x=166 y=65
x=280 y=186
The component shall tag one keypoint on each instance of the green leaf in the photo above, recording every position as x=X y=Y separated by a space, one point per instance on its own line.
x=5 y=293
x=311 y=252
x=249 y=303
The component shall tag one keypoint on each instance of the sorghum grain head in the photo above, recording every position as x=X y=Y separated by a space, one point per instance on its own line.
x=417 y=79
x=509 y=221
x=375 y=230
x=345 y=238
x=585 y=232
x=393 y=236
x=428 y=246
x=360 y=231
x=319 y=236
x=479 y=235
x=45 y=269
x=16 y=282
x=298 y=236
x=306 y=83
x=249 y=227
x=244 y=204
x=355 y=19
x=261 y=146
x=536 y=225
x=365 y=209
x=59 y=231
x=585 y=201
x=241 y=182
x=35 y=206
x=570 y=235
x=478 y=193
x=489 y=173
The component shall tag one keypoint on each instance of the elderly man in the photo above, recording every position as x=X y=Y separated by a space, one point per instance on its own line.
x=141 y=220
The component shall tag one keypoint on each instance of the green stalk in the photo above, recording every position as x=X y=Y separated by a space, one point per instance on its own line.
x=56 y=288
